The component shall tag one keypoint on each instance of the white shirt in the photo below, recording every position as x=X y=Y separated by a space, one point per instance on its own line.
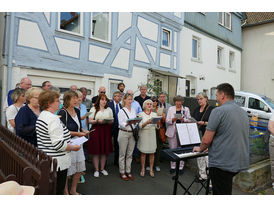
x=106 y=114
x=122 y=118
x=272 y=118
x=11 y=113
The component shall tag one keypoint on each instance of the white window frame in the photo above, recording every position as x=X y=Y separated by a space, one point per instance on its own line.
x=70 y=32
x=224 y=20
x=170 y=39
x=114 y=81
x=221 y=64
x=198 y=58
x=109 y=28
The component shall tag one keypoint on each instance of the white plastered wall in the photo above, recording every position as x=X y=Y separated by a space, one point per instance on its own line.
x=257 y=59
x=207 y=67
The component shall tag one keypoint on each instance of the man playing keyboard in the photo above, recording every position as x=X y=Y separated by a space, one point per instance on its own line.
x=226 y=139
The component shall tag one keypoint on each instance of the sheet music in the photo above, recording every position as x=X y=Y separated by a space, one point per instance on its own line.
x=78 y=141
x=188 y=133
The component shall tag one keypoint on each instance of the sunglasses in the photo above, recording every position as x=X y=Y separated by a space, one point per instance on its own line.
x=102 y=92
x=155 y=100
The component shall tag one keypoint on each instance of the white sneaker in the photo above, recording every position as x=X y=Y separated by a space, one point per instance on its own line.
x=157 y=168
x=147 y=168
x=104 y=172
x=96 y=174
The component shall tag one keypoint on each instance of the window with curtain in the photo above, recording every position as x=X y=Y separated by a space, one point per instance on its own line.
x=231 y=59
x=70 y=21
x=101 y=26
x=220 y=56
x=166 y=43
x=196 y=48
x=224 y=18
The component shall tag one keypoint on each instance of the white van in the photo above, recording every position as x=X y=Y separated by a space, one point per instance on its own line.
x=255 y=103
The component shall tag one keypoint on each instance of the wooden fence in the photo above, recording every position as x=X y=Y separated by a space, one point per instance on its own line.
x=22 y=162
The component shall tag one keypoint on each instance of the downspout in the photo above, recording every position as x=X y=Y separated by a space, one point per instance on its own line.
x=9 y=37
x=10 y=53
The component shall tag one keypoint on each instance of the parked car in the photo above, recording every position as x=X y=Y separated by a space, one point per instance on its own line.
x=255 y=104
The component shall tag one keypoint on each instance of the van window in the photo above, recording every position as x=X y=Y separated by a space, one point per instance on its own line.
x=256 y=104
x=240 y=100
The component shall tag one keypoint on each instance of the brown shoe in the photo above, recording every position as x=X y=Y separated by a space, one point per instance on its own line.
x=124 y=177
x=130 y=176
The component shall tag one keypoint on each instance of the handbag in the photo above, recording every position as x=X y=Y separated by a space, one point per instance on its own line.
x=135 y=130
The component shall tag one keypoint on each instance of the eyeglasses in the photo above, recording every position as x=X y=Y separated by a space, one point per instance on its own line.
x=102 y=92
x=149 y=104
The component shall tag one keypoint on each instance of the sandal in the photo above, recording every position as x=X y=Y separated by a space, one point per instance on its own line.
x=124 y=177
x=142 y=173
x=130 y=176
x=151 y=173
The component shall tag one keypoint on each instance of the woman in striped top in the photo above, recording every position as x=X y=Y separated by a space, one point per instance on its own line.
x=53 y=137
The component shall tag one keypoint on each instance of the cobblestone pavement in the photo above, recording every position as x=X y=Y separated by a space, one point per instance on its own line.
x=161 y=184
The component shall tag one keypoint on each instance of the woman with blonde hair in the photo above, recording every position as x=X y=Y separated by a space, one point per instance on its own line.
x=25 y=119
x=147 y=137
x=18 y=97
x=125 y=139
x=201 y=114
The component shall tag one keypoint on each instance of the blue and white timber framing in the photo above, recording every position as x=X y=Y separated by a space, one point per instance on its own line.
x=39 y=44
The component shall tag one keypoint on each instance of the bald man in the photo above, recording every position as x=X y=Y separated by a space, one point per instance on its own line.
x=101 y=90
x=25 y=83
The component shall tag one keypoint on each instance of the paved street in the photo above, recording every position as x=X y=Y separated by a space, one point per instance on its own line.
x=162 y=184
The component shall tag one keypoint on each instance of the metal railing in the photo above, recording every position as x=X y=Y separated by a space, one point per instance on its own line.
x=22 y=162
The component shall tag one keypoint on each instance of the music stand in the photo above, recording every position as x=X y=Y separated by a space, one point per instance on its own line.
x=188 y=137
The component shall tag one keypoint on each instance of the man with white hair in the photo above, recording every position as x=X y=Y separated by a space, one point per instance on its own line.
x=73 y=88
x=143 y=95
x=25 y=83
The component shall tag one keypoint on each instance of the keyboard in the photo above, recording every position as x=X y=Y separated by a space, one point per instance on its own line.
x=181 y=154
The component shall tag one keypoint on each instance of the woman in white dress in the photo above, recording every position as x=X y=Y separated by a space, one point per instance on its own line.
x=147 y=137
x=18 y=97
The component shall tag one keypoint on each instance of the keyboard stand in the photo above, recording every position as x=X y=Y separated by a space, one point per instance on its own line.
x=204 y=184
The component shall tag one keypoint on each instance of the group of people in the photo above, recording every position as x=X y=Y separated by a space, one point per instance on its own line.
x=36 y=115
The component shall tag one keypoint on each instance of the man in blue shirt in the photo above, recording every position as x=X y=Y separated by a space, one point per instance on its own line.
x=135 y=105
x=25 y=83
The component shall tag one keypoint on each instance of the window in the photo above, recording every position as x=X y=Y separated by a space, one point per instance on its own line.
x=101 y=26
x=224 y=18
x=240 y=100
x=178 y=14
x=113 y=84
x=231 y=59
x=220 y=52
x=166 y=39
x=196 y=48
x=256 y=104
x=70 y=22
